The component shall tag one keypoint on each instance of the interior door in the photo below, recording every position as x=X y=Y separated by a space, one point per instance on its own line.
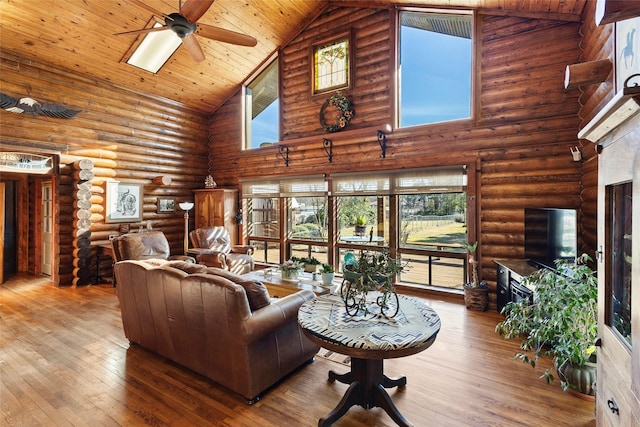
x=618 y=397
x=47 y=228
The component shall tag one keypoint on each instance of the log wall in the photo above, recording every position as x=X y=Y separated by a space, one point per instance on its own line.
x=520 y=136
x=128 y=136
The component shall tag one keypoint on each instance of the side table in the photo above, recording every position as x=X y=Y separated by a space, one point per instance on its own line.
x=368 y=340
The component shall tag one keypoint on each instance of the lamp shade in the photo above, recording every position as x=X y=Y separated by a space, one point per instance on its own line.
x=186 y=206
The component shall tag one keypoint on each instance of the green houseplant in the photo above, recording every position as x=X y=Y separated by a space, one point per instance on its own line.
x=361 y=225
x=310 y=264
x=327 y=273
x=561 y=322
x=476 y=293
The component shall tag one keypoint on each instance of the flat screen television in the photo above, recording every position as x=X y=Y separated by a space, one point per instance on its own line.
x=550 y=234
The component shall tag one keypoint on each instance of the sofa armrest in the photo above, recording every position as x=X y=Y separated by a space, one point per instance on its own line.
x=281 y=311
x=242 y=249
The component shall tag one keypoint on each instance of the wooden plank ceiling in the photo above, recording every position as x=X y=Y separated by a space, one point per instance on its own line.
x=78 y=35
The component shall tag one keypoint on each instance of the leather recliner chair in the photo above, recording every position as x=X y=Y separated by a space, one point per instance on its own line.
x=214 y=249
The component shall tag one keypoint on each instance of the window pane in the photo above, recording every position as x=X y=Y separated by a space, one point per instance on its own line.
x=435 y=75
x=263 y=217
x=265 y=251
x=262 y=108
x=433 y=230
x=308 y=218
x=331 y=66
x=363 y=219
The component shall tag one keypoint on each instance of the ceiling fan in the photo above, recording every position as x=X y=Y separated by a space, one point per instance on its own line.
x=184 y=24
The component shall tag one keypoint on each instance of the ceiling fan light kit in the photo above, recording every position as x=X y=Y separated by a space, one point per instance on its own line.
x=184 y=25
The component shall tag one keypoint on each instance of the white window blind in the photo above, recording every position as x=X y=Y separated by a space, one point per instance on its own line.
x=432 y=180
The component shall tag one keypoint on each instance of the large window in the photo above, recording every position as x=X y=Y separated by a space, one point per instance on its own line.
x=435 y=67
x=262 y=109
x=418 y=215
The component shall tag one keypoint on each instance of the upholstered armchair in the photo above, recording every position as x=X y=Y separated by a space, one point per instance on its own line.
x=144 y=246
x=214 y=249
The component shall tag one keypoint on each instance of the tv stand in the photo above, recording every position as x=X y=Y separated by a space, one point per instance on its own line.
x=510 y=273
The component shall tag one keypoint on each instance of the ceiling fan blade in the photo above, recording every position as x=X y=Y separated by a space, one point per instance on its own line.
x=143 y=31
x=193 y=47
x=194 y=9
x=226 y=36
x=148 y=8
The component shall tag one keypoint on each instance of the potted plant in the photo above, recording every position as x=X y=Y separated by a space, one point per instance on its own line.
x=310 y=264
x=290 y=269
x=373 y=271
x=561 y=322
x=476 y=293
x=327 y=274
x=361 y=225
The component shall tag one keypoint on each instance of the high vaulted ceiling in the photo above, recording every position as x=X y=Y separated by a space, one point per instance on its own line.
x=78 y=35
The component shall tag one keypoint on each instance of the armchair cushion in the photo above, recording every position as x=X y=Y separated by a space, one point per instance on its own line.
x=257 y=292
x=215 y=250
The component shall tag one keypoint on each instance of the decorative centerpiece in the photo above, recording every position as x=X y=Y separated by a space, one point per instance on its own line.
x=372 y=271
x=209 y=182
x=343 y=116
x=290 y=269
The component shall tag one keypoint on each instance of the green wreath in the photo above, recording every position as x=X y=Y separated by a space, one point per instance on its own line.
x=344 y=112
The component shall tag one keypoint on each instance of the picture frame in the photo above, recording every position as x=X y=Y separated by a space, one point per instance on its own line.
x=123 y=202
x=166 y=205
x=627 y=42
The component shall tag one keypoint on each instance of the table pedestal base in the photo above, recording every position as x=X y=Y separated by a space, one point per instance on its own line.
x=367 y=384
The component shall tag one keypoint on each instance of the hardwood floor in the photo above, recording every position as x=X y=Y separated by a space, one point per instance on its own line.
x=64 y=361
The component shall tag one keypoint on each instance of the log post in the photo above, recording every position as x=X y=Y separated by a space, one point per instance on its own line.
x=587 y=73
x=83 y=273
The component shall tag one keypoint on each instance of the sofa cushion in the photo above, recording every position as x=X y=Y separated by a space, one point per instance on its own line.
x=188 y=267
x=257 y=292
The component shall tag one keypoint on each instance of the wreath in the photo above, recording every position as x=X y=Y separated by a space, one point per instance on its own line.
x=344 y=112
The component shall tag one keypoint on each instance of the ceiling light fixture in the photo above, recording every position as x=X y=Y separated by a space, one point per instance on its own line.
x=155 y=50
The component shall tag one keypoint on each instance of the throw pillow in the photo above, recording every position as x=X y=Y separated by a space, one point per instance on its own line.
x=257 y=292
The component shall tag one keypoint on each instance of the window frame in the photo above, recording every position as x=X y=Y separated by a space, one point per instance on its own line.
x=397 y=71
x=350 y=62
x=244 y=120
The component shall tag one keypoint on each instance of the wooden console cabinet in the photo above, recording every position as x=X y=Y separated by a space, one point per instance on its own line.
x=217 y=207
x=509 y=273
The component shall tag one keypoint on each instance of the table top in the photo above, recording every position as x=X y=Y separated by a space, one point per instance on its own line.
x=374 y=336
x=272 y=276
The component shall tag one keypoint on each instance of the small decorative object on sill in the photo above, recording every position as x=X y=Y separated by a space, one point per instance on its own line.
x=290 y=269
x=209 y=182
x=372 y=271
x=343 y=115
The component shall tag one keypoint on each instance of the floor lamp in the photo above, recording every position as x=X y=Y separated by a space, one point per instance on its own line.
x=186 y=207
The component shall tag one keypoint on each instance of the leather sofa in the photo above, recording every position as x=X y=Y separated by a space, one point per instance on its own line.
x=213 y=322
x=145 y=245
x=214 y=248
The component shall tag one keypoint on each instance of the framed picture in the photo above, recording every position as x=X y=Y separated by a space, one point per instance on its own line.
x=124 y=202
x=627 y=51
x=166 y=204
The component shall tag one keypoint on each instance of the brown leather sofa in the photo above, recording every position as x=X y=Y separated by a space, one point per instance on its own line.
x=145 y=245
x=214 y=249
x=213 y=322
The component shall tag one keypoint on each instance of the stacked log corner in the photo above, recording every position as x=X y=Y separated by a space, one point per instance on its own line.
x=83 y=271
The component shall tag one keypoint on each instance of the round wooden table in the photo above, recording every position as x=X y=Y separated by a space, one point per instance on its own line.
x=368 y=340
